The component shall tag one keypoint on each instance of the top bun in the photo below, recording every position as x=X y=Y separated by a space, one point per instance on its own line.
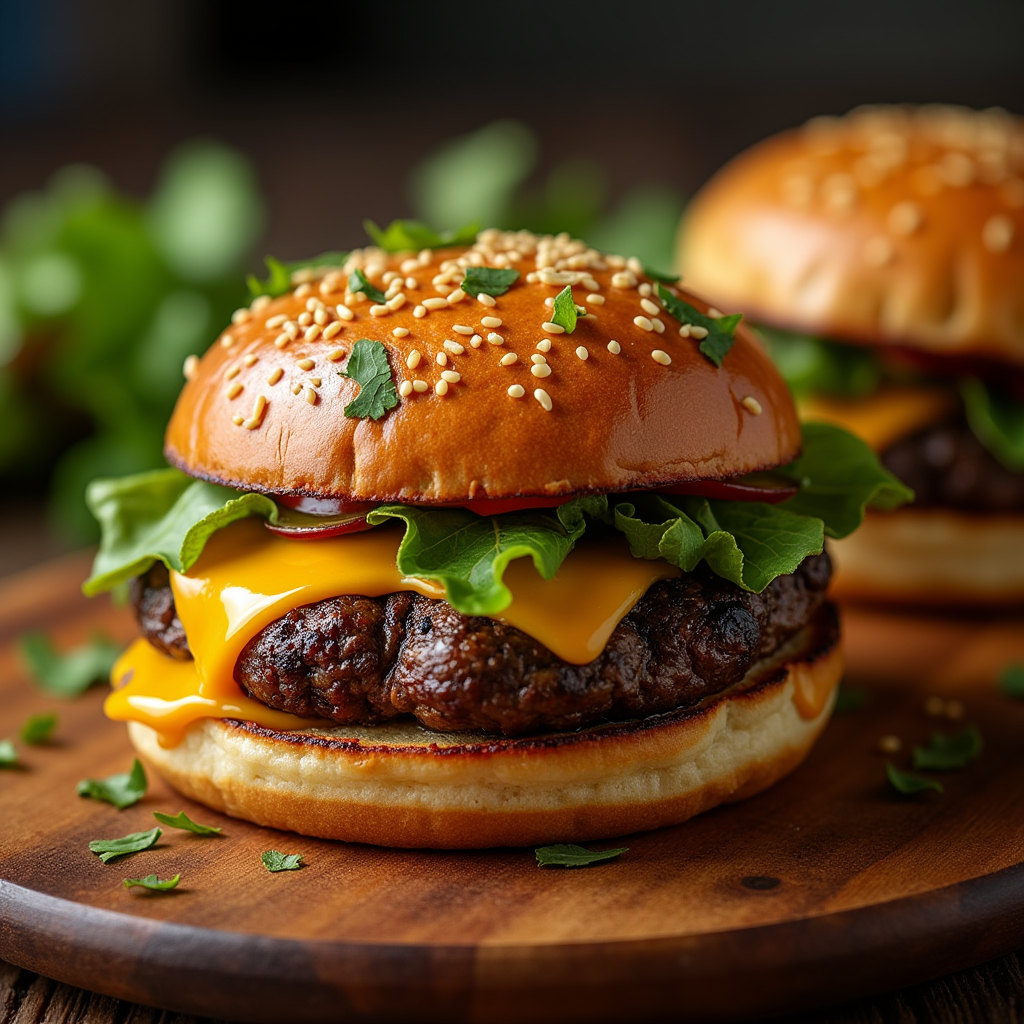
x=263 y=409
x=892 y=224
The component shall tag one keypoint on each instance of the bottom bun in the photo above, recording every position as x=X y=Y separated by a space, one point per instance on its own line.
x=399 y=784
x=933 y=557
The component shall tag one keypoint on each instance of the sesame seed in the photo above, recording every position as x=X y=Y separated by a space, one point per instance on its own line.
x=275 y=375
x=400 y=332
x=405 y=388
x=454 y=347
x=305 y=319
x=516 y=391
x=878 y=251
x=698 y=332
x=614 y=347
x=411 y=283
x=536 y=358
x=232 y=371
x=303 y=290
x=257 y=414
x=291 y=329
x=409 y=265
x=508 y=359
x=234 y=390
x=463 y=329
x=582 y=353
x=259 y=303
x=344 y=312
x=549 y=302
x=645 y=291
x=661 y=357
x=495 y=339
x=332 y=330
x=650 y=307
x=435 y=303
x=315 y=381
x=241 y=316
x=540 y=370
x=544 y=345
x=905 y=218
x=997 y=234
x=189 y=369
x=441 y=387
x=659 y=325
x=250 y=360
x=282 y=339
x=714 y=313
x=379 y=310
x=486 y=300
x=238 y=420
x=419 y=386
x=957 y=170
x=296 y=388
x=321 y=316
x=275 y=321
x=452 y=376
x=227 y=340
x=544 y=398
x=643 y=323
x=420 y=312
x=476 y=341
x=684 y=331
x=412 y=360
x=490 y=321
x=456 y=296
x=313 y=304
x=597 y=300
x=889 y=744
x=552 y=328
x=624 y=279
x=310 y=396
x=330 y=285
x=396 y=302
x=441 y=359
x=312 y=333
x=305 y=364
x=337 y=355
x=752 y=405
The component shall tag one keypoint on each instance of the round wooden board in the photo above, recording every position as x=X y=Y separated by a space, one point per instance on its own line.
x=826 y=888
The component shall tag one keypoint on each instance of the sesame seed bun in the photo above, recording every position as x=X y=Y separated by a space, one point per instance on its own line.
x=403 y=785
x=890 y=225
x=597 y=410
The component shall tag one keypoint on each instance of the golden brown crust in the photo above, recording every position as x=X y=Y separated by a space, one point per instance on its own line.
x=402 y=785
x=616 y=420
x=892 y=224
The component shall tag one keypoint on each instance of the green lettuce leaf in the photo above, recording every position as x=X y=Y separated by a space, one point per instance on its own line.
x=812 y=365
x=997 y=421
x=160 y=516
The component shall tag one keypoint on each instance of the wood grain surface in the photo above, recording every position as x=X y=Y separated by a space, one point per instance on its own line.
x=824 y=889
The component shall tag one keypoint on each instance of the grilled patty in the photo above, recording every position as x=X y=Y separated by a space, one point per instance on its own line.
x=360 y=659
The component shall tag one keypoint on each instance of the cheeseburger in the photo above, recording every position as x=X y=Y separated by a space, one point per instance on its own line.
x=881 y=255
x=487 y=544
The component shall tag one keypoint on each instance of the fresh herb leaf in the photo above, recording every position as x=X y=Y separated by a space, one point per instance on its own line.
x=8 y=755
x=565 y=312
x=946 y=753
x=849 y=699
x=183 y=821
x=654 y=275
x=108 y=849
x=1011 y=682
x=568 y=855
x=122 y=790
x=910 y=785
x=368 y=367
x=71 y=674
x=274 y=860
x=721 y=330
x=153 y=883
x=279 y=279
x=812 y=365
x=839 y=477
x=38 y=729
x=357 y=283
x=997 y=420
x=413 y=235
x=488 y=280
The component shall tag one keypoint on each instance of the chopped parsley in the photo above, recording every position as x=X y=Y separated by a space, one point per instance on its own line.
x=488 y=280
x=413 y=235
x=357 y=283
x=279 y=278
x=568 y=855
x=153 y=883
x=108 y=849
x=122 y=790
x=368 y=367
x=910 y=785
x=8 y=755
x=565 y=312
x=183 y=821
x=71 y=674
x=1011 y=682
x=721 y=330
x=38 y=729
x=274 y=860
x=946 y=753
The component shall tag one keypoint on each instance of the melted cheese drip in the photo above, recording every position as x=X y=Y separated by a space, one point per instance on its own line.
x=247 y=578
x=885 y=417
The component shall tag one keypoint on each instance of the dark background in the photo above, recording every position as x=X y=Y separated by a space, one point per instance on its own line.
x=334 y=103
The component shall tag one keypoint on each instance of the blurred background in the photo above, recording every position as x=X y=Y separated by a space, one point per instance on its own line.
x=152 y=153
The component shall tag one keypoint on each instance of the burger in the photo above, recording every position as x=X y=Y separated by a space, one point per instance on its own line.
x=487 y=544
x=881 y=256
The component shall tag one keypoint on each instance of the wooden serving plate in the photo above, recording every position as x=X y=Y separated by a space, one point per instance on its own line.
x=826 y=888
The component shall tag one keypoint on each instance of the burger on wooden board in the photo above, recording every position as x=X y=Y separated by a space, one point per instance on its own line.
x=493 y=543
x=881 y=254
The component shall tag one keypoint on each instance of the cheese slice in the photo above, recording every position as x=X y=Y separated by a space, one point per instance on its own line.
x=248 y=577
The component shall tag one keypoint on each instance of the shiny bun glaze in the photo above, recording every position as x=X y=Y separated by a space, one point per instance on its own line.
x=892 y=224
x=263 y=411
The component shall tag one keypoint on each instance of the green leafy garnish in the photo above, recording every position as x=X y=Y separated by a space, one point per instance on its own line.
x=818 y=366
x=8 y=755
x=413 y=235
x=568 y=855
x=565 y=312
x=488 y=280
x=274 y=860
x=849 y=700
x=357 y=283
x=153 y=883
x=108 y=849
x=279 y=278
x=71 y=674
x=910 y=785
x=721 y=330
x=946 y=753
x=368 y=367
x=655 y=275
x=997 y=421
x=183 y=821
x=1011 y=681
x=122 y=790
x=37 y=729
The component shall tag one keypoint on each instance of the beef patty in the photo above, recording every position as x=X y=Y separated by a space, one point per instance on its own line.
x=361 y=659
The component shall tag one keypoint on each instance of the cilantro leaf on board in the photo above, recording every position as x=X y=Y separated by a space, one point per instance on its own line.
x=655 y=275
x=357 y=283
x=568 y=855
x=368 y=366
x=153 y=883
x=122 y=790
x=997 y=420
x=413 y=235
x=8 y=755
x=488 y=280
x=721 y=330
x=274 y=860
x=72 y=673
x=565 y=312
x=109 y=849
x=279 y=278
x=37 y=729
x=183 y=821
x=946 y=753
x=910 y=785
x=849 y=699
x=1011 y=680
